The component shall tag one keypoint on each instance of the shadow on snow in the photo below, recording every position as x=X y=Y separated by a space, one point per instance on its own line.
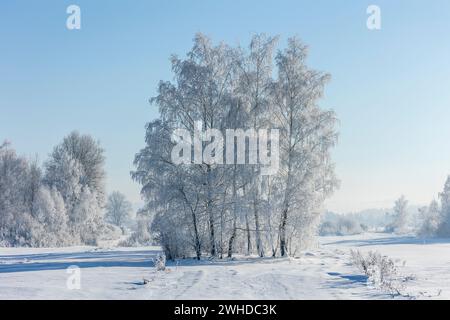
x=59 y=261
x=394 y=240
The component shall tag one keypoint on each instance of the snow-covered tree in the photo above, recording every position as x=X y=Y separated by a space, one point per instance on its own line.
x=430 y=216
x=64 y=173
x=436 y=217
x=400 y=215
x=307 y=135
x=141 y=236
x=199 y=99
x=17 y=226
x=87 y=219
x=50 y=211
x=254 y=76
x=77 y=160
x=75 y=170
x=205 y=206
x=118 y=209
x=61 y=207
x=444 y=197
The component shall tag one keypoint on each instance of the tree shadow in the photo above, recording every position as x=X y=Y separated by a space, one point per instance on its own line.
x=393 y=240
x=59 y=261
x=353 y=278
x=191 y=262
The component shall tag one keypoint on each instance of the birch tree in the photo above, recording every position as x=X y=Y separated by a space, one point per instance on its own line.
x=199 y=101
x=400 y=214
x=203 y=205
x=255 y=70
x=118 y=209
x=308 y=133
x=430 y=219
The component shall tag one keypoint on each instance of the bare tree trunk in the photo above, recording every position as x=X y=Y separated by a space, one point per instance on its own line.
x=259 y=246
x=198 y=249
x=274 y=248
x=234 y=231
x=222 y=224
x=283 y=246
x=284 y=213
x=274 y=251
x=249 y=239
x=212 y=237
x=247 y=229
x=231 y=241
x=197 y=244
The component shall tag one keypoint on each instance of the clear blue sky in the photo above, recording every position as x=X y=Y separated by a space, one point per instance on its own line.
x=390 y=88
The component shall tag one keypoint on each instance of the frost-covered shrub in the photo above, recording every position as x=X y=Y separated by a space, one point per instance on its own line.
x=110 y=232
x=27 y=231
x=160 y=262
x=444 y=224
x=341 y=226
x=140 y=237
x=302 y=232
x=380 y=270
x=174 y=241
x=4 y=244
x=50 y=211
x=118 y=210
x=430 y=217
x=400 y=215
x=87 y=219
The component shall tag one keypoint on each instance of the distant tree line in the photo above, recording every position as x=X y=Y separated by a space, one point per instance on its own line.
x=57 y=205
x=436 y=216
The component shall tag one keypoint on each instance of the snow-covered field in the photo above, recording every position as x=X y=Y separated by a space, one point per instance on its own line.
x=322 y=273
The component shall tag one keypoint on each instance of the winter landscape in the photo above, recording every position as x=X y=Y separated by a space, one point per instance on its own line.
x=287 y=164
x=326 y=271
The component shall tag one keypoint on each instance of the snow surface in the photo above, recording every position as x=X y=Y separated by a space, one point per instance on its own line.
x=322 y=273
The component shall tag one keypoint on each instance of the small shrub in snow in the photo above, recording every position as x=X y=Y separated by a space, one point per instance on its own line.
x=381 y=271
x=136 y=239
x=341 y=227
x=160 y=262
x=110 y=232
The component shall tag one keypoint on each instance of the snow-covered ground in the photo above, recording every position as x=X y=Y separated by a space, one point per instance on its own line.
x=427 y=260
x=322 y=273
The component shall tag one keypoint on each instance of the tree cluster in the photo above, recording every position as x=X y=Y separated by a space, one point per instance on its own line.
x=220 y=209
x=59 y=204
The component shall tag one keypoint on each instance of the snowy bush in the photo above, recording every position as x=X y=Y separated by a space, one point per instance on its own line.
x=118 y=210
x=381 y=271
x=430 y=217
x=160 y=262
x=340 y=226
x=87 y=219
x=435 y=218
x=400 y=215
x=444 y=223
x=140 y=237
x=50 y=211
x=109 y=232
x=175 y=241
